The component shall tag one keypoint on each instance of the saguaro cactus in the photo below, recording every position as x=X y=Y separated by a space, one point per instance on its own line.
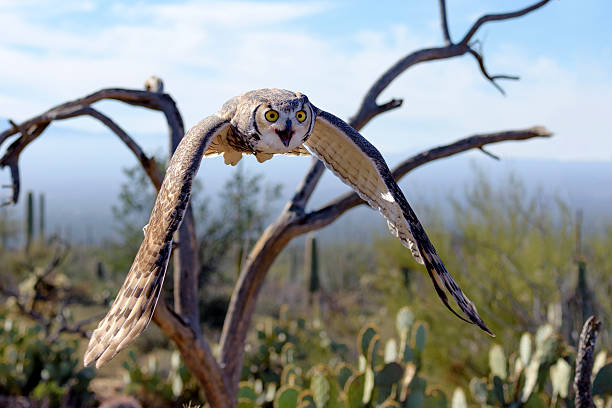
x=29 y=221
x=41 y=217
x=311 y=266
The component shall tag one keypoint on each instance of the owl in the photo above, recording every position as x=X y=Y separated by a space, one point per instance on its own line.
x=264 y=123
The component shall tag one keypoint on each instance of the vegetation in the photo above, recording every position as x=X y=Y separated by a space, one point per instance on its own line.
x=518 y=257
x=279 y=373
x=313 y=360
x=50 y=371
x=526 y=262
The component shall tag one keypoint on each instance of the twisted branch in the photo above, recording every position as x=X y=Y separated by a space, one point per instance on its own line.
x=292 y=221
x=491 y=78
x=370 y=108
x=181 y=325
x=584 y=363
x=32 y=128
x=499 y=17
x=444 y=22
x=27 y=302
x=220 y=380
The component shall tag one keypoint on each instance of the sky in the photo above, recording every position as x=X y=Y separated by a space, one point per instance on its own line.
x=208 y=51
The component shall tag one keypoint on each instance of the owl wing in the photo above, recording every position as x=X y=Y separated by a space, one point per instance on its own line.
x=134 y=305
x=357 y=163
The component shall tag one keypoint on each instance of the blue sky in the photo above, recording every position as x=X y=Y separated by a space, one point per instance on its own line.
x=207 y=52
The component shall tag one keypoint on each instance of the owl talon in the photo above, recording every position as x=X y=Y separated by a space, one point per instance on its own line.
x=235 y=130
x=262 y=157
x=232 y=157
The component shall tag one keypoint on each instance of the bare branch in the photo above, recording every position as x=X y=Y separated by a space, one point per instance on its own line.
x=584 y=363
x=32 y=128
x=488 y=153
x=471 y=142
x=306 y=187
x=491 y=78
x=138 y=98
x=27 y=302
x=220 y=380
x=444 y=22
x=61 y=252
x=499 y=17
x=369 y=107
x=17 y=127
x=148 y=163
x=290 y=225
x=15 y=185
x=242 y=304
x=196 y=355
x=194 y=348
x=385 y=107
x=11 y=158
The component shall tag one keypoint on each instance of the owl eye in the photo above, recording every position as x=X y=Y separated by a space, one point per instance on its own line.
x=271 y=115
x=300 y=116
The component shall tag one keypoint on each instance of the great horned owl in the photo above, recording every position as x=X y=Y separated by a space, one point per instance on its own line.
x=264 y=122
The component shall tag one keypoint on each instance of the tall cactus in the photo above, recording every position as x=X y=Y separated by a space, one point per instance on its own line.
x=4 y=227
x=579 y=302
x=311 y=266
x=29 y=222
x=100 y=271
x=293 y=266
x=41 y=217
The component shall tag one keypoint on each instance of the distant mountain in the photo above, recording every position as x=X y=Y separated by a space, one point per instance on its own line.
x=80 y=174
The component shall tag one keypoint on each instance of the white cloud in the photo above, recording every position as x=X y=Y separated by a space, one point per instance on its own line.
x=50 y=7
x=209 y=53
x=234 y=13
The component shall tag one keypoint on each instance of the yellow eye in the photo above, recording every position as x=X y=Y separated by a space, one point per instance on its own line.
x=271 y=115
x=300 y=116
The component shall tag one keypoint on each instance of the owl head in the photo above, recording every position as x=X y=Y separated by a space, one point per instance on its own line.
x=278 y=121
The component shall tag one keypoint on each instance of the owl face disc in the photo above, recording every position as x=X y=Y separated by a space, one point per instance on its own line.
x=278 y=120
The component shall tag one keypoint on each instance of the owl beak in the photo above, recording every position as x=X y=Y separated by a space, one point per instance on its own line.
x=286 y=134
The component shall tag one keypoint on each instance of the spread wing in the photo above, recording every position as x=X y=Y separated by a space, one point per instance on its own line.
x=133 y=308
x=356 y=162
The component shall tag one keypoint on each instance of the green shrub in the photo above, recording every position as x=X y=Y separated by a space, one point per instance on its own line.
x=156 y=387
x=387 y=374
x=537 y=374
x=49 y=371
x=288 y=341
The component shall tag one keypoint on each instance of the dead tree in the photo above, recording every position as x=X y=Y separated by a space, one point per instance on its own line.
x=219 y=375
x=584 y=363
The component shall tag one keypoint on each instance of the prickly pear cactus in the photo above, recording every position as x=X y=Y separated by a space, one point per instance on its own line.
x=602 y=384
x=387 y=374
x=538 y=374
x=287 y=397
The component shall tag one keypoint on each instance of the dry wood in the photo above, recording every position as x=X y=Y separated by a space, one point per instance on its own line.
x=292 y=221
x=184 y=330
x=584 y=363
x=219 y=378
